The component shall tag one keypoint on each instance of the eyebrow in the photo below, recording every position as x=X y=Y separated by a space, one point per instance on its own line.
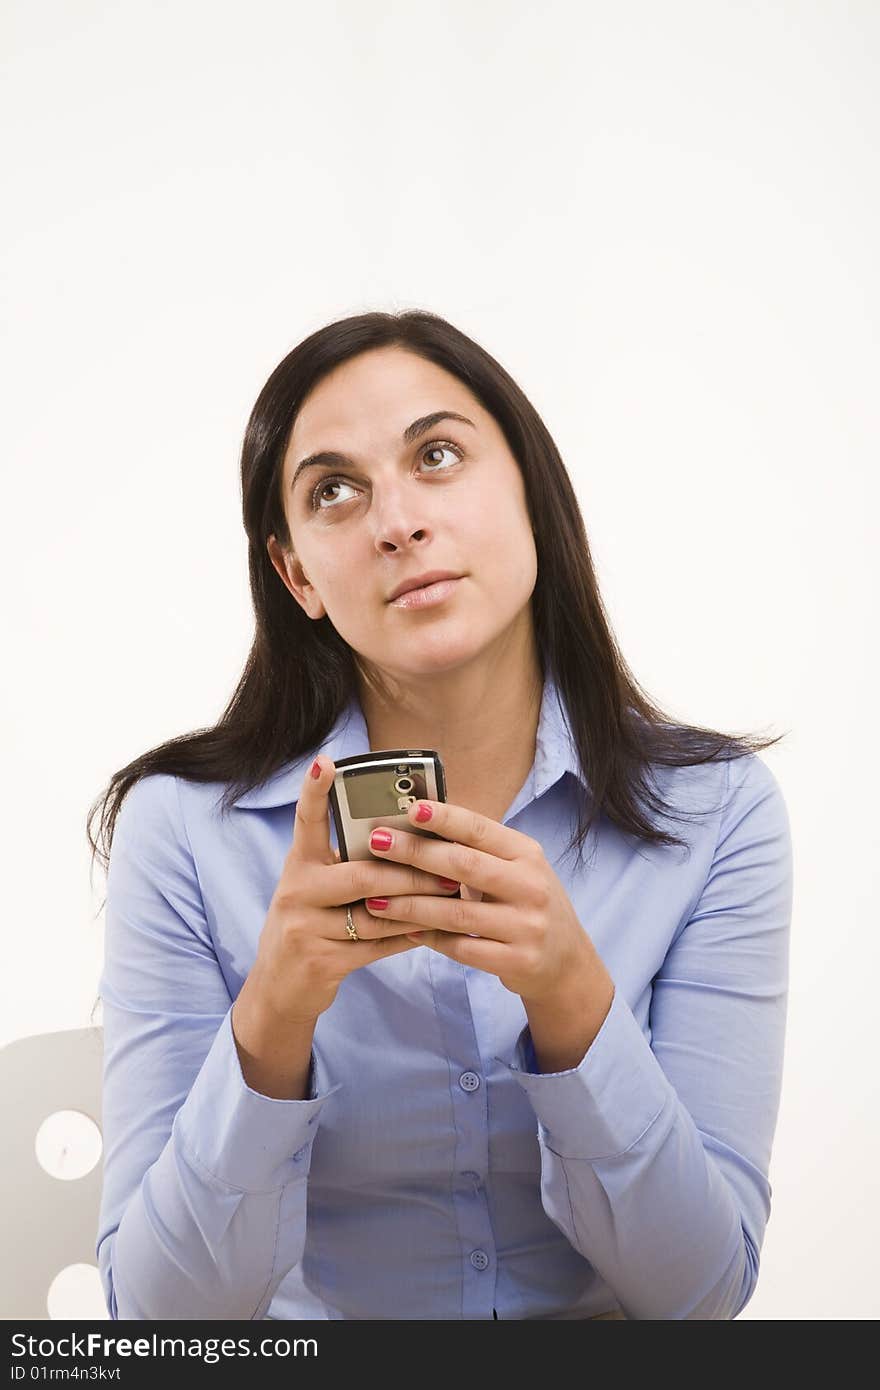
x=411 y=433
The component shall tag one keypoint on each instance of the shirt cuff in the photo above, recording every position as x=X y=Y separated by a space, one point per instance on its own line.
x=603 y=1106
x=248 y=1141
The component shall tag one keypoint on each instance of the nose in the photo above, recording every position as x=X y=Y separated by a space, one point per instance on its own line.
x=400 y=518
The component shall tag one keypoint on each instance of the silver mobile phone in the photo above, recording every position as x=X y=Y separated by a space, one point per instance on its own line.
x=378 y=788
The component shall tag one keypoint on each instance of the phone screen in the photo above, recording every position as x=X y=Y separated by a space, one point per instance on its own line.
x=383 y=791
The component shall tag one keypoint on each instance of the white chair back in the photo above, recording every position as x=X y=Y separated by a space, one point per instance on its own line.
x=49 y=1223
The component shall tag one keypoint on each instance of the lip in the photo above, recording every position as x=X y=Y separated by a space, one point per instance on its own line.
x=421 y=581
x=427 y=594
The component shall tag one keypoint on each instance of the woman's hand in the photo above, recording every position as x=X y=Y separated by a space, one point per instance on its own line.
x=522 y=928
x=304 y=951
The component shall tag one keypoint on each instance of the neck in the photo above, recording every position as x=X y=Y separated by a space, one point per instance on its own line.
x=481 y=718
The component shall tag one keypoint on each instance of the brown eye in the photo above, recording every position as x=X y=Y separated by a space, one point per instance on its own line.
x=440 y=449
x=321 y=488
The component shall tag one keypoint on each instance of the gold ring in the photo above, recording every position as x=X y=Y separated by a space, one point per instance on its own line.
x=350 y=926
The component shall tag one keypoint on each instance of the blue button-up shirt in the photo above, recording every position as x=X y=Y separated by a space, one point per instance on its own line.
x=433 y=1171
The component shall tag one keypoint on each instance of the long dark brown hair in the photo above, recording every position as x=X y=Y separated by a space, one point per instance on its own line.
x=303 y=666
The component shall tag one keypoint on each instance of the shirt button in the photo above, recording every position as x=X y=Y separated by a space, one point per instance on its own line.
x=472 y=1177
x=469 y=1081
x=479 y=1259
x=300 y=1153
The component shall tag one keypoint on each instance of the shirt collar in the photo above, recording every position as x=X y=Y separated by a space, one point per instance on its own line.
x=555 y=753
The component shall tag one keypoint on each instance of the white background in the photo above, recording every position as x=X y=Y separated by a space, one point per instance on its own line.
x=662 y=219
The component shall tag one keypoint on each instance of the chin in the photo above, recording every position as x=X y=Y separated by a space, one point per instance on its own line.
x=436 y=653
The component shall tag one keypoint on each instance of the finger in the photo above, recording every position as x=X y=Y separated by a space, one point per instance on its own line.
x=311 y=821
x=481 y=954
x=457 y=917
x=365 y=951
x=369 y=928
x=463 y=862
x=355 y=879
x=466 y=827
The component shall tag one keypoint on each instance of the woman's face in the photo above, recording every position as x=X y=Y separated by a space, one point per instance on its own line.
x=451 y=499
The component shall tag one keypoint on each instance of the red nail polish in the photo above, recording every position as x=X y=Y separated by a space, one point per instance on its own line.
x=380 y=839
x=424 y=812
x=316 y=769
x=379 y=904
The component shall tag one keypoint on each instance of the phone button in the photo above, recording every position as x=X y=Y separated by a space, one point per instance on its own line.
x=469 y=1081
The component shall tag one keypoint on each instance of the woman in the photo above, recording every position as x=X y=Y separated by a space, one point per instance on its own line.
x=551 y=1096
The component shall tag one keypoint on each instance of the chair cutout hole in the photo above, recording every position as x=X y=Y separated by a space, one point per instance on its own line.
x=68 y=1144
x=76 y=1295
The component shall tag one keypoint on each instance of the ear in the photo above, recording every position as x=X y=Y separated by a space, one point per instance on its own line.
x=294 y=579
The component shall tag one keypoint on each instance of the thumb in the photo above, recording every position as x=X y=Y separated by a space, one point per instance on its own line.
x=311 y=823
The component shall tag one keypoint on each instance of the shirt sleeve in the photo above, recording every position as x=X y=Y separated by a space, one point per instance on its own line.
x=655 y=1154
x=203 y=1205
